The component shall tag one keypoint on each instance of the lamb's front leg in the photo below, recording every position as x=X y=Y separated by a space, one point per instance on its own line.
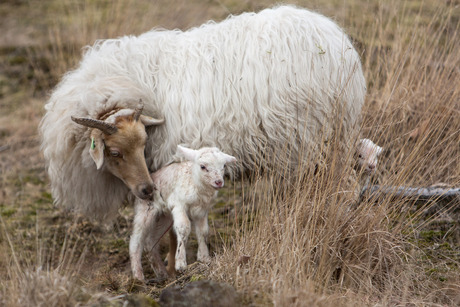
x=182 y=230
x=202 y=230
x=144 y=215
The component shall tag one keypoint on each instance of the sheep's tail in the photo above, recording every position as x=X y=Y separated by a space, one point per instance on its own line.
x=418 y=193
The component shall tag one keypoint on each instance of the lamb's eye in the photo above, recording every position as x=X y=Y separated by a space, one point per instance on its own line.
x=360 y=156
x=203 y=167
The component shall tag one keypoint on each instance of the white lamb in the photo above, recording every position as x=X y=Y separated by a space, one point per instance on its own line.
x=366 y=159
x=367 y=156
x=184 y=194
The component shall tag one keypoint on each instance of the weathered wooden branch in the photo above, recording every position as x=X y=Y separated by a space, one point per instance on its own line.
x=422 y=193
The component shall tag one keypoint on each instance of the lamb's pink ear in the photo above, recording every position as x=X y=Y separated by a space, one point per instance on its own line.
x=229 y=159
x=187 y=153
x=96 y=150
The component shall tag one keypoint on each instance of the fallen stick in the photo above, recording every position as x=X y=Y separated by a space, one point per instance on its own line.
x=423 y=193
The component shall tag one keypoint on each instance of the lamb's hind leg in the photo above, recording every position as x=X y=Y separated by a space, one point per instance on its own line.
x=157 y=230
x=202 y=230
x=181 y=227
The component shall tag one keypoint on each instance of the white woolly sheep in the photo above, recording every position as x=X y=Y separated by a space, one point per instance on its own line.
x=254 y=85
x=184 y=195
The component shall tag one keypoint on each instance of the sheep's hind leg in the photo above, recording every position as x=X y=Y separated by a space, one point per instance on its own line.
x=171 y=258
x=157 y=230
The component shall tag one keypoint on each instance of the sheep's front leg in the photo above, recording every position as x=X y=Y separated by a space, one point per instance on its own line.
x=182 y=231
x=202 y=230
x=143 y=218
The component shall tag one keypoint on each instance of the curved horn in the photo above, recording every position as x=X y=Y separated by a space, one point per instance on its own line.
x=94 y=123
x=138 y=110
x=150 y=121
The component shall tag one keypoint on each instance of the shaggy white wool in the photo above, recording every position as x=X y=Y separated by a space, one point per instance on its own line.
x=254 y=85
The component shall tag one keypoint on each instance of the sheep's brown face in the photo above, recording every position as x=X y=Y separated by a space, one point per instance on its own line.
x=124 y=157
x=118 y=143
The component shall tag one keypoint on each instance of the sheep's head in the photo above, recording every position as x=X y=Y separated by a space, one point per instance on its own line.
x=117 y=142
x=367 y=154
x=208 y=166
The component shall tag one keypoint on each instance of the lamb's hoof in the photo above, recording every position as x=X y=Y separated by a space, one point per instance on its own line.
x=137 y=280
x=136 y=284
x=205 y=260
x=181 y=268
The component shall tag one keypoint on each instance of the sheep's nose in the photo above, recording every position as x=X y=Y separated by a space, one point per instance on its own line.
x=146 y=191
x=219 y=183
x=371 y=166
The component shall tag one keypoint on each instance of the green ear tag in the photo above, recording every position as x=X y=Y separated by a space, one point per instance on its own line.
x=93 y=144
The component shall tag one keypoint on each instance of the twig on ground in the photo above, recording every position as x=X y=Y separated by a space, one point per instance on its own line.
x=4 y=147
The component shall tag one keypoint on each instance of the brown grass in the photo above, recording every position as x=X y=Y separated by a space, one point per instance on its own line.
x=299 y=244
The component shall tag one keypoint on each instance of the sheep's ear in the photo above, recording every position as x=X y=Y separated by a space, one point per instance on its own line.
x=96 y=150
x=150 y=121
x=379 y=150
x=229 y=159
x=187 y=153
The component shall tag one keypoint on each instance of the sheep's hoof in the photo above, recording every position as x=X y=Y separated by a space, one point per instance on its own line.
x=156 y=281
x=171 y=271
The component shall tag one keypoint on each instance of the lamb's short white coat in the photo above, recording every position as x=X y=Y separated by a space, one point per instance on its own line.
x=184 y=196
x=367 y=153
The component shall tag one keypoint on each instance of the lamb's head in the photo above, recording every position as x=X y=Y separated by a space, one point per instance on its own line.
x=367 y=153
x=208 y=165
x=117 y=143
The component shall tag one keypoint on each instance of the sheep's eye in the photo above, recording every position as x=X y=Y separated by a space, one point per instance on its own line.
x=116 y=154
x=360 y=156
x=203 y=167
